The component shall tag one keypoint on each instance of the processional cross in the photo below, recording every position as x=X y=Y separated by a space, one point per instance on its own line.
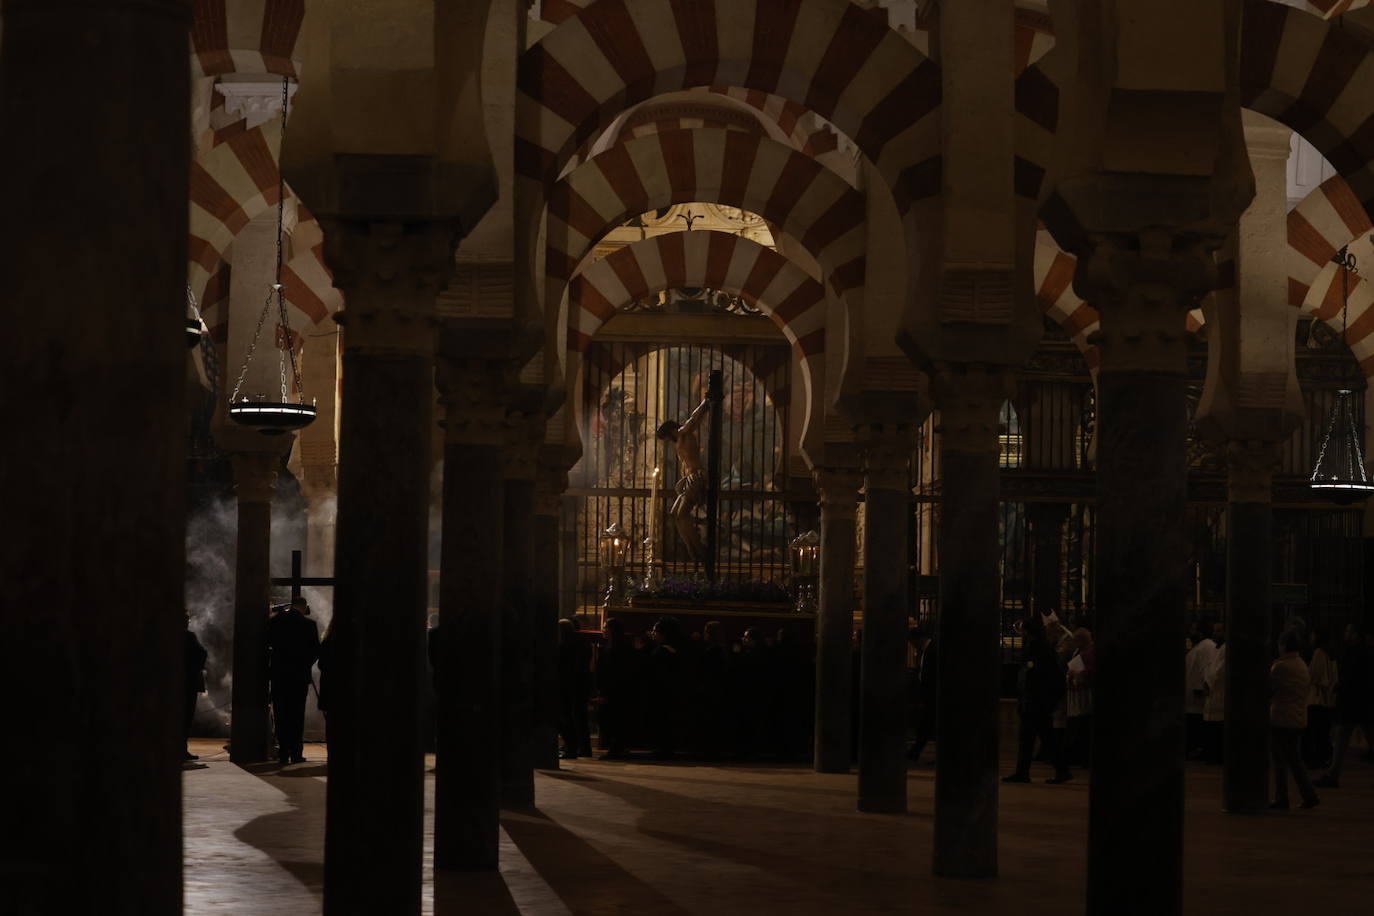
x=297 y=581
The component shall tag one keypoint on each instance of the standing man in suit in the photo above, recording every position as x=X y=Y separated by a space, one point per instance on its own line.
x=293 y=642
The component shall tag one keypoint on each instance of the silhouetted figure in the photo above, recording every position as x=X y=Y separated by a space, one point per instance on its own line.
x=752 y=688
x=1289 y=683
x=1321 y=702
x=1199 y=660
x=713 y=696
x=616 y=664
x=324 y=659
x=1042 y=687
x=1354 y=701
x=664 y=687
x=856 y=640
x=791 y=706
x=1081 y=672
x=927 y=698
x=195 y=655
x=574 y=690
x=293 y=643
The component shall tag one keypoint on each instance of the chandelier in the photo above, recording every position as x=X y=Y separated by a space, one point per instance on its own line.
x=1339 y=474
x=276 y=413
x=195 y=324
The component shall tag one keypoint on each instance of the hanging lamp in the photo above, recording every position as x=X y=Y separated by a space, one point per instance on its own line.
x=274 y=416
x=1339 y=474
x=195 y=324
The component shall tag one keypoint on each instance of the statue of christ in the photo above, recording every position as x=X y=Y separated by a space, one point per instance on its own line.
x=691 y=483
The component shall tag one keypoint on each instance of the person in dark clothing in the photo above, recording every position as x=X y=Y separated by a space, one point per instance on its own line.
x=1354 y=702
x=664 y=687
x=574 y=690
x=713 y=694
x=195 y=682
x=615 y=683
x=293 y=643
x=927 y=675
x=753 y=689
x=1042 y=686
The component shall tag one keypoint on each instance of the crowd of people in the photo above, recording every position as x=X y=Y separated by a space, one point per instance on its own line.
x=673 y=693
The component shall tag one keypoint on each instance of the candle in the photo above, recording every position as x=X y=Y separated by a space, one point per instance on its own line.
x=653 y=504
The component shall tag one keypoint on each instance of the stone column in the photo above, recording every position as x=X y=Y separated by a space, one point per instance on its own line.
x=93 y=388
x=389 y=273
x=255 y=480
x=467 y=793
x=1144 y=284
x=569 y=574
x=970 y=399
x=518 y=628
x=882 y=705
x=1249 y=571
x=550 y=481
x=838 y=489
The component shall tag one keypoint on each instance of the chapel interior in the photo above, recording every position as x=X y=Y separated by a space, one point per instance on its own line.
x=688 y=424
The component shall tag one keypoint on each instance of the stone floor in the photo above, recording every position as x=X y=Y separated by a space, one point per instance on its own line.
x=613 y=838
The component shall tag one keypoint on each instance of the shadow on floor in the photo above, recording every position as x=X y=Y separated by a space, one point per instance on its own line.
x=304 y=823
x=472 y=892
x=587 y=880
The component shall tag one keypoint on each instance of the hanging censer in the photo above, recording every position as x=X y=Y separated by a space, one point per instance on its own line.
x=1339 y=474
x=274 y=416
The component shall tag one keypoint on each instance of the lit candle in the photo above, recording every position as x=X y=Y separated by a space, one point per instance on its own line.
x=653 y=504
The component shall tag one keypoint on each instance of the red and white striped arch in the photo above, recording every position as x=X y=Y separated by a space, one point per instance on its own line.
x=1329 y=9
x=813 y=205
x=838 y=60
x=790 y=298
x=714 y=260
x=1318 y=79
x=246 y=36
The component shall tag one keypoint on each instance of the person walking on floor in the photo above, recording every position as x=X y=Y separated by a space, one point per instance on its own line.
x=1289 y=683
x=1042 y=687
x=1214 y=709
x=1199 y=659
x=1321 y=702
x=293 y=643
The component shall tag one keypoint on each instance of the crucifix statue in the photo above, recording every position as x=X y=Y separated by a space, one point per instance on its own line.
x=696 y=482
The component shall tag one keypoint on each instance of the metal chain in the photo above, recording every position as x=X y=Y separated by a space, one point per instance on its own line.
x=252 y=347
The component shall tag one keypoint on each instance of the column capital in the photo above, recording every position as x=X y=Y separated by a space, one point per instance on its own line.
x=837 y=491
x=886 y=448
x=551 y=477
x=391 y=274
x=475 y=393
x=969 y=397
x=255 y=476
x=1144 y=284
x=1251 y=465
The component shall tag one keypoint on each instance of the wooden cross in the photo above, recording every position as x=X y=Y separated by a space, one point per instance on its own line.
x=297 y=581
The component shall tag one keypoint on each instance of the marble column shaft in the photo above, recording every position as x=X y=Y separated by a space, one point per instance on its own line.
x=882 y=707
x=93 y=370
x=839 y=494
x=374 y=829
x=1249 y=571
x=1144 y=286
x=968 y=641
x=467 y=794
x=518 y=628
x=255 y=477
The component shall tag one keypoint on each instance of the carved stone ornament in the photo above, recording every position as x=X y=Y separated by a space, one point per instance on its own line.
x=837 y=490
x=886 y=448
x=524 y=436
x=970 y=397
x=391 y=275
x=1144 y=287
x=475 y=395
x=1251 y=466
x=255 y=476
x=255 y=101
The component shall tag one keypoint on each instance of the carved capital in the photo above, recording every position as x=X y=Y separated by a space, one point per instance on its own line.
x=255 y=476
x=970 y=396
x=319 y=478
x=475 y=394
x=837 y=490
x=886 y=449
x=255 y=99
x=524 y=435
x=1251 y=465
x=391 y=275
x=1144 y=285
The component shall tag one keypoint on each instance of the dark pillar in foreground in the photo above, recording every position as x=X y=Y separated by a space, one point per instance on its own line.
x=93 y=391
x=467 y=792
x=1145 y=286
x=1249 y=570
x=968 y=641
x=255 y=478
x=839 y=495
x=518 y=629
x=373 y=834
x=882 y=708
x=550 y=481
